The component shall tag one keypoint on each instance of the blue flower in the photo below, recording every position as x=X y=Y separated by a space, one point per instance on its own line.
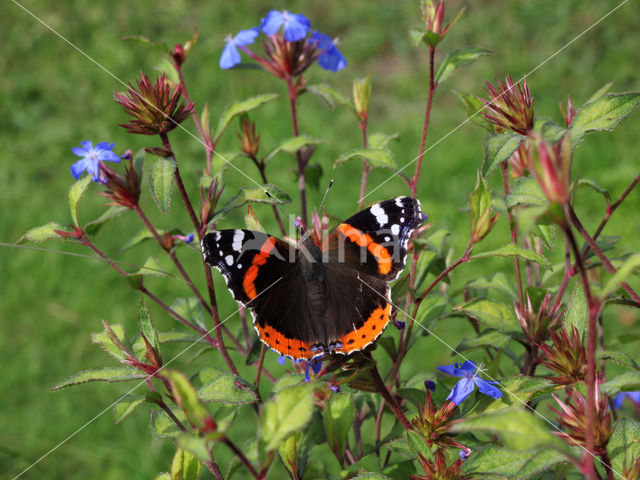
x=295 y=25
x=315 y=365
x=330 y=57
x=430 y=385
x=230 y=56
x=335 y=388
x=91 y=158
x=469 y=381
x=634 y=396
x=282 y=359
x=189 y=238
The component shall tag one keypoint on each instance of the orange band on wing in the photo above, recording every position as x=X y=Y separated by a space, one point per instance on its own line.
x=380 y=253
x=284 y=346
x=260 y=258
x=367 y=333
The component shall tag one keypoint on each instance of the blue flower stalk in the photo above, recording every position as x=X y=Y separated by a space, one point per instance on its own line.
x=468 y=372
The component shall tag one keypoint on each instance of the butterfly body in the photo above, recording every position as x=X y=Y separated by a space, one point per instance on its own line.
x=323 y=295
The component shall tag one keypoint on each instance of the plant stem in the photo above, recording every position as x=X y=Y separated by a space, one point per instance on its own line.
x=302 y=163
x=594 y=307
x=607 y=465
x=514 y=232
x=366 y=168
x=242 y=457
x=263 y=174
x=382 y=389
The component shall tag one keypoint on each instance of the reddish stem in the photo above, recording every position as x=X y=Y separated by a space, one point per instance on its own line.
x=366 y=168
x=514 y=232
x=395 y=408
x=301 y=161
x=242 y=457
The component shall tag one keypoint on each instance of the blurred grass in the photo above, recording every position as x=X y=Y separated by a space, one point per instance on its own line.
x=53 y=97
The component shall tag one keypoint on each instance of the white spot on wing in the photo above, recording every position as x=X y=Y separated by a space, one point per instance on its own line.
x=380 y=214
x=395 y=229
x=239 y=266
x=218 y=235
x=399 y=202
x=238 y=235
x=387 y=238
x=229 y=259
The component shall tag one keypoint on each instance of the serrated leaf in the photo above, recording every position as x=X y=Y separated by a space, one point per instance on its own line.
x=338 y=418
x=517 y=428
x=459 y=58
x=76 y=192
x=331 y=96
x=42 y=233
x=480 y=205
x=146 y=326
x=549 y=129
x=623 y=446
x=621 y=358
x=495 y=460
x=602 y=114
x=191 y=309
x=162 y=426
x=196 y=446
x=161 y=182
x=600 y=92
x=474 y=106
x=594 y=185
x=94 y=226
x=185 y=465
x=577 y=310
x=490 y=338
x=418 y=445
x=251 y=220
x=107 y=374
x=625 y=382
x=236 y=108
x=292 y=145
x=375 y=157
x=288 y=450
x=289 y=411
x=381 y=140
x=499 y=282
x=498 y=147
x=106 y=341
x=126 y=406
x=492 y=314
x=223 y=387
x=512 y=250
x=416 y=37
x=628 y=267
x=186 y=396
x=526 y=191
x=275 y=196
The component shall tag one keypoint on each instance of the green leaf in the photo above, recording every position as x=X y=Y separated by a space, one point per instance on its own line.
x=474 y=106
x=146 y=42
x=577 y=312
x=594 y=185
x=196 y=446
x=492 y=314
x=289 y=411
x=495 y=460
x=251 y=220
x=185 y=465
x=42 y=233
x=161 y=182
x=418 y=445
x=223 y=387
x=94 y=226
x=526 y=191
x=381 y=140
x=150 y=268
x=313 y=175
x=76 y=192
x=490 y=338
x=625 y=382
x=623 y=446
x=549 y=129
x=275 y=196
x=191 y=309
x=138 y=162
x=162 y=426
x=480 y=206
x=416 y=37
x=146 y=326
x=234 y=109
x=498 y=147
x=600 y=92
x=628 y=267
x=621 y=358
x=602 y=114
x=511 y=250
x=107 y=374
x=111 y=345
x=288 y=450
x=375 y=157
x=499 y=282
x=140 y=237
x=330 y=96
x=126 y=406
x=517 y=428
x=338 y=418
x=186 y=396
x=292 y=145
x=459 y=58
x=518 y=390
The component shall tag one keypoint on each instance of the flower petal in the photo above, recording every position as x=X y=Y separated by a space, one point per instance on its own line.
x=105 y=146
x=79 y=151
x=87 y=145
x=332 y=60
x=468 y=367
x=296 y=27
x=450 y=369
x=486 y=388
x=108 y=156
x=246 y=37
x=461 y=390
x=230 y=56
x=272 y=22
x=78 y=168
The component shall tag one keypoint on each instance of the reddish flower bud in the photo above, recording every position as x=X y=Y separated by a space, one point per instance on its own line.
x=520 y=159
x=437 y=469
x=75 y=233
x=573 y=420
x=178 y=54
x=432 y=16
x=552 y=167
x=510 y=106
x=249 y=139
x=537 y=321
x=209 y=200
x=153 y=108
x=434 y=423
x=123 y=191
x=569 y=114
x=566 y=356
x=361 y=96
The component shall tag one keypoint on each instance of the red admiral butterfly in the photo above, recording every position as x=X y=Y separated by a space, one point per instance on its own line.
x=323 y=296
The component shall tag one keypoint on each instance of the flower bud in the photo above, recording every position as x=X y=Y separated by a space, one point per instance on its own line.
x=361 y=96
x=567 y=356
x=552 y=167
x=249 y=139
x=510 y=106
x=122 y=191
x=569 y=114
x=537 y=321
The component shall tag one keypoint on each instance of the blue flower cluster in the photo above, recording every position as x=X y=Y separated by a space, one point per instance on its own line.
x=295 y=27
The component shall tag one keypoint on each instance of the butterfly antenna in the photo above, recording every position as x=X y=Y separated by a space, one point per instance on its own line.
x=325 y=194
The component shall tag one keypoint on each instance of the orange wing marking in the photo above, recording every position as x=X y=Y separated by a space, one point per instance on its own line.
x=260 y=258
x=367 y=333
x=380 y=253
x=284 y=346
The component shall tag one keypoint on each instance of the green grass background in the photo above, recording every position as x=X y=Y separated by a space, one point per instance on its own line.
x=52 y=97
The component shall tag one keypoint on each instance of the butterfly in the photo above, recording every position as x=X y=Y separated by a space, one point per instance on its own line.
x=321 y=296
